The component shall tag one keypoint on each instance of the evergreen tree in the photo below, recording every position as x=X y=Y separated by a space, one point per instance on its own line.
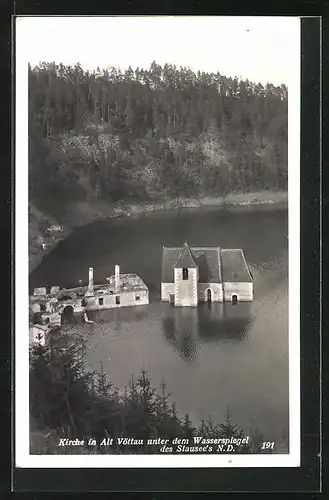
x=68 y=401
x=162 y=405
x=187 y=427
x=229 y=430
x=145 y=110
x=211 y=429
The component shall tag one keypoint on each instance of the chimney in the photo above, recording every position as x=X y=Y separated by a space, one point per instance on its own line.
x=117 y=277
x=90 y=290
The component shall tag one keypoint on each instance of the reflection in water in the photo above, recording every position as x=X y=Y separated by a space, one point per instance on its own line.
x=216 y=322
x=113 y=317
x=234 y=356
x=224 y=322
x=121 y=314
x=180 y=328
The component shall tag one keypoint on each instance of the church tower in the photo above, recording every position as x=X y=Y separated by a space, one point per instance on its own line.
x=186 y=276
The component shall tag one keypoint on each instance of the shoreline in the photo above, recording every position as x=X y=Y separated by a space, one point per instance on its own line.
x=78 y=214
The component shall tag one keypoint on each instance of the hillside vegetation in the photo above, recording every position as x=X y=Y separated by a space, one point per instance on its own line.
x=67 y=401
x=152 y=135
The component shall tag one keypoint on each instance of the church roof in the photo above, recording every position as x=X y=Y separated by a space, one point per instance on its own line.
x=206 y=259
x=235 y=268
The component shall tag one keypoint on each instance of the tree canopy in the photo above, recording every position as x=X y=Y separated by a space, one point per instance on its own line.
x=67 y=400
x=154 y=133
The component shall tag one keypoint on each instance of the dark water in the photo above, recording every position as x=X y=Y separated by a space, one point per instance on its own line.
x=213 y=357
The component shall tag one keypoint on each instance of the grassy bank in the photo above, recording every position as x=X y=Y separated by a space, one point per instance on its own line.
x=77 y=214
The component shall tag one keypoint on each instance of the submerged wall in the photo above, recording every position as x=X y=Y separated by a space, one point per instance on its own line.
x=166 y=290
x=186 y=291
x=243 y=291
x=216 y=292
x=220 y=292
x=123 y=299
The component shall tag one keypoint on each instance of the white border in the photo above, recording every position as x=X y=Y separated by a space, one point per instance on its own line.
x=23 y=459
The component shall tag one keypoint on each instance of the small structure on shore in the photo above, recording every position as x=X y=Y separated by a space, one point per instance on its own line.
x=38 y=334
x=54 y=228
x=121 y=290
x=193 y=275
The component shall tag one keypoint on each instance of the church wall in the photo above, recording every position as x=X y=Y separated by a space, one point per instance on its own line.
x=243 y=291
x=186 y=291
x=221 y=292
x=217 y=292
x=166 y=290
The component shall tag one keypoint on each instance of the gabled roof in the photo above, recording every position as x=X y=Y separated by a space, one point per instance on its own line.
x=235 y=268
x=185 y=259
x=206 y=259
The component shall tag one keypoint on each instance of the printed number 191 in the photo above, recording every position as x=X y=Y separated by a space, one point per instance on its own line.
x=267 y=445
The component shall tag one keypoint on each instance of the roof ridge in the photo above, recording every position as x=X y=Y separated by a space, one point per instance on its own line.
x=206 y=248
x=196 y=248
x=231 y=249
x=186 y=256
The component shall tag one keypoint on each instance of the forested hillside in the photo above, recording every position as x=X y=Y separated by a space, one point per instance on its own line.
x=152 y=134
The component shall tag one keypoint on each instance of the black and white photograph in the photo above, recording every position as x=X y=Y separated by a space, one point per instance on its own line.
x=157 y=241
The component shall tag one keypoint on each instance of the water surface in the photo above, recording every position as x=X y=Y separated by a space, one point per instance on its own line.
x=212 y=358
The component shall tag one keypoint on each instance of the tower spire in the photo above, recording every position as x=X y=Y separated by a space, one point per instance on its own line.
x=186 y=258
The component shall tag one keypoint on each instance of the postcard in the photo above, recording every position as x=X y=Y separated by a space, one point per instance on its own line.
x=157 y=242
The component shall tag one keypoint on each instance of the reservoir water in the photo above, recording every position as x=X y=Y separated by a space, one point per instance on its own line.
x=213 y=358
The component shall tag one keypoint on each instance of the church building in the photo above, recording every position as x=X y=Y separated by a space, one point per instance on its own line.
x=197 y=274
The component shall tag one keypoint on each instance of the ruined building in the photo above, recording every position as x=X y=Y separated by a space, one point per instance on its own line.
x=120 y=290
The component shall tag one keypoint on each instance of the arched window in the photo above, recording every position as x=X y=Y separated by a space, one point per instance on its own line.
x=185 y=273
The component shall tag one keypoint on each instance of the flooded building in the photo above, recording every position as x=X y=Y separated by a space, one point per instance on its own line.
x=120 y=290
x=204 y=274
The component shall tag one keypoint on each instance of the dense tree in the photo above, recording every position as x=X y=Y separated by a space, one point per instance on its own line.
x=71 y=402
x=150 y=134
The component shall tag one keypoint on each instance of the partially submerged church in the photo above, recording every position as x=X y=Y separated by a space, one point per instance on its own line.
x=193 y=275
